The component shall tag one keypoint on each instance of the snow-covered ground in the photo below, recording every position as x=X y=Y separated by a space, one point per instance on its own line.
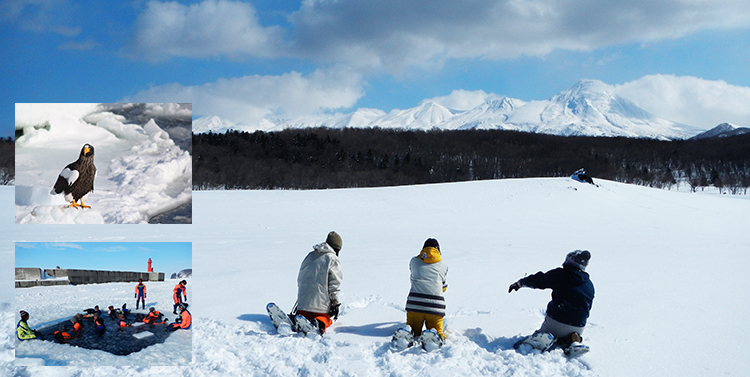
x=141 y=172
x=670 y=270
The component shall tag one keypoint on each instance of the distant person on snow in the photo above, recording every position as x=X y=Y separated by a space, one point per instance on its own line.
x=572 y=297
x=140 y=294
x=183 y=321
x=23 y=331
x=425 y=304
x=319 y=282
x=179 y=291
x=581 y=176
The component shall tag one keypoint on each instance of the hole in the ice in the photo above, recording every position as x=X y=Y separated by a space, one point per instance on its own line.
x=115 y=339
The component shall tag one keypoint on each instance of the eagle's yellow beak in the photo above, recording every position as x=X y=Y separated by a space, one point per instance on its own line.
x=86 y=150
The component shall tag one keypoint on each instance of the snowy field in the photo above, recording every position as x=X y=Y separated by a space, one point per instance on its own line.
x=670 y=270
x=141 y=171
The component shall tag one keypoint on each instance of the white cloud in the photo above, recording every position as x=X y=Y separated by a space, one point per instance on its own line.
x=40 y=15
x=460 y=99
x=395 y=34
x=690 y=100
x=250 y=99
x=207 y=29
x=392 y=35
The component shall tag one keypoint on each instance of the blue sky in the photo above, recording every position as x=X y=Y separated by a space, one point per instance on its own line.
x=683 y=60
x=167 y=257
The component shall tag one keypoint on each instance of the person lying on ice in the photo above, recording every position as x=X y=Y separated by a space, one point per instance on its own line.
x=23 y=331
x=179 y=291
x=183 y=321
x=140 y=294
x=425 y=304
x=319 y=282
x=125 y=310
x=572 y=297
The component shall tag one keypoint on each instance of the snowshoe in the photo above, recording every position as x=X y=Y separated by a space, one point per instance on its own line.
x=541 y=341
x=431 y=340
x=280 y=320
x=576 y=349
x=402 y=338
x=307 y=327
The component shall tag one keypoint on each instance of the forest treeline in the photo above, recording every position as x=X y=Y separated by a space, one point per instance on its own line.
x=7 y=161
x=335 y=158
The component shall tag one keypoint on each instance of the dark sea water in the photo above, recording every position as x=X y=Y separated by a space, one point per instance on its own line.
x=115 y=340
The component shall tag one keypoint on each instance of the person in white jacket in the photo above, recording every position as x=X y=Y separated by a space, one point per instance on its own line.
x=425 y=304
x=319 y=282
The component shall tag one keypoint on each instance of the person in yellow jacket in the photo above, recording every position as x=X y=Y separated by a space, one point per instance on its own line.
x=425 y=304
x=23 y=331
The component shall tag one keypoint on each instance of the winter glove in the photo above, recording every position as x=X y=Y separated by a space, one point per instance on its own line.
x=135 y=295
x=515 y=286
x=334 y=312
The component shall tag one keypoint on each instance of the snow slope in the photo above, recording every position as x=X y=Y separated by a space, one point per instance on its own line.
x=141 y=172
x=669 y=270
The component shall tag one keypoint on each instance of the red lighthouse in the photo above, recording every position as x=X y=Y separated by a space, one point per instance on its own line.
x=149 y=266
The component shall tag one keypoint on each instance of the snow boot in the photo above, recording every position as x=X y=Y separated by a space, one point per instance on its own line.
x=281 y=321
x=307 y=327
x=431 y=340
x=541 y=341
x=402 y=338
x=576 y=349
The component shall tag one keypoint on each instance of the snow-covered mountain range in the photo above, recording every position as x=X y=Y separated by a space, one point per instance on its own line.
x=588 y=108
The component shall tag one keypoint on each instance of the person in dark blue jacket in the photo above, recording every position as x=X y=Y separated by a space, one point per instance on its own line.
x=572 y=297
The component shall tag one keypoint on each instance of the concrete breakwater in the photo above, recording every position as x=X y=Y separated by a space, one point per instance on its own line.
x=32 y=277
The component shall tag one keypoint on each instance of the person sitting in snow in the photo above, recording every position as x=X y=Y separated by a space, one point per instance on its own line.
x=183 y=321
x=425 y=304
x=179 y=291
x=572 y=297
x=319 y=282
x=23 y=331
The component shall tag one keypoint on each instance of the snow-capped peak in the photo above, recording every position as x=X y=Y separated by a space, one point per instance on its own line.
x=590 y=108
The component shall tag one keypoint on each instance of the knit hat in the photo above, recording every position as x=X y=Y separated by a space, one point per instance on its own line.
x=578 y=259
x=334 y=241
x=431 y=242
